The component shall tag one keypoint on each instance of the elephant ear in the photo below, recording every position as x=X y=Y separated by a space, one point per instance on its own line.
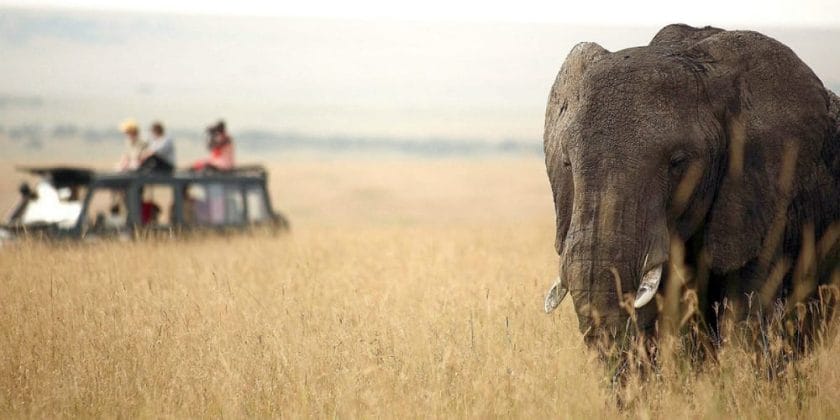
x=774 y=119
x=563 y=102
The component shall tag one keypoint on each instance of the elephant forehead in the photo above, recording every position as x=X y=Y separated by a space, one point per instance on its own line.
x=640 y=69
x=640 y=81
x=632 y=102
x=634 y=108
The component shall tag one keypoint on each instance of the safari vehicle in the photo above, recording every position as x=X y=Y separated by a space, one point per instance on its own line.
x=80 y=203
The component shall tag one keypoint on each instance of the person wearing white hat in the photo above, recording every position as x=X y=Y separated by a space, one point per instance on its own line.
x=134 y=146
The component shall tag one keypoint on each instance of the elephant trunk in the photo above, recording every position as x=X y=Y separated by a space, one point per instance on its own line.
x=612 y=265
x=606 y=290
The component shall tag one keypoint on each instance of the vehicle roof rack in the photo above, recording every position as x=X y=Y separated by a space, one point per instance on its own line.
x=67 y=176
x=252 y=170
x=60 y=176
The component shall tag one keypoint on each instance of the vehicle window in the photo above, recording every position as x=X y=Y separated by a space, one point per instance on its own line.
x=71 y=194
x=234 y=206
x=106 y=209
x=156 y=204
x=197 y=205
x=257 y=207
x=200 y=203
x=214 y=204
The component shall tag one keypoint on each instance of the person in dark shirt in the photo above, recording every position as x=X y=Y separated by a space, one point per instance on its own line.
x=159 y=155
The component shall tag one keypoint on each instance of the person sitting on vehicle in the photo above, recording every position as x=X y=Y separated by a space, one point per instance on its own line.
x=159 y=156
x=133 y=148
x=221 y=150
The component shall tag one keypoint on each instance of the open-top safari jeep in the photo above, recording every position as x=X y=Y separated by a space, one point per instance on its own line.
x=80 y=203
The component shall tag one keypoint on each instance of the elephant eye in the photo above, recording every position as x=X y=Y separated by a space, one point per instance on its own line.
x=567 y=163
x=678 y=162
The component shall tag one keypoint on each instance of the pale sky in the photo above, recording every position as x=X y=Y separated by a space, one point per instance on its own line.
x=404 y=72
x=809 y=13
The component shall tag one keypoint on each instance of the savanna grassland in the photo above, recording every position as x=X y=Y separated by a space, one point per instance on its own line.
x=406 y=288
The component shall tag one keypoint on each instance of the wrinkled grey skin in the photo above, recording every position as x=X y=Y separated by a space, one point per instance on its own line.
x=686 y=139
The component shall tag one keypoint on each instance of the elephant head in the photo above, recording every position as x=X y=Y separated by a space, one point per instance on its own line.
x=722 y=138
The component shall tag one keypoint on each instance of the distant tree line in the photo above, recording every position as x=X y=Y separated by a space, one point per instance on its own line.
x=37 y=136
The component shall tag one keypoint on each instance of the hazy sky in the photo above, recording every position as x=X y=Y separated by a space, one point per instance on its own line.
x=440 y=70
x=823 y=13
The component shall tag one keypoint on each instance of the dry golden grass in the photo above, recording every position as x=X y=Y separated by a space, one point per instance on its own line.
x=399 y=313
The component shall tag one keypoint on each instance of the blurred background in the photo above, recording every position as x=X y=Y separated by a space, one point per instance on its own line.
x=328 y=80
x=439 y=79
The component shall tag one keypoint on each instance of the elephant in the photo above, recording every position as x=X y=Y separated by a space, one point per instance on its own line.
x=723 y=142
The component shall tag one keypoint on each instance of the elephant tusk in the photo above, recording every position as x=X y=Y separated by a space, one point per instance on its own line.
x=648 y=286
x=555 y=295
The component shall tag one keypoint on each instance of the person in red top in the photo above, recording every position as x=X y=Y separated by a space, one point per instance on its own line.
x=221 y=150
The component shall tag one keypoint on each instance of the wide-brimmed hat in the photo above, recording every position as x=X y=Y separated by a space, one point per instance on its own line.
x=129 y=126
